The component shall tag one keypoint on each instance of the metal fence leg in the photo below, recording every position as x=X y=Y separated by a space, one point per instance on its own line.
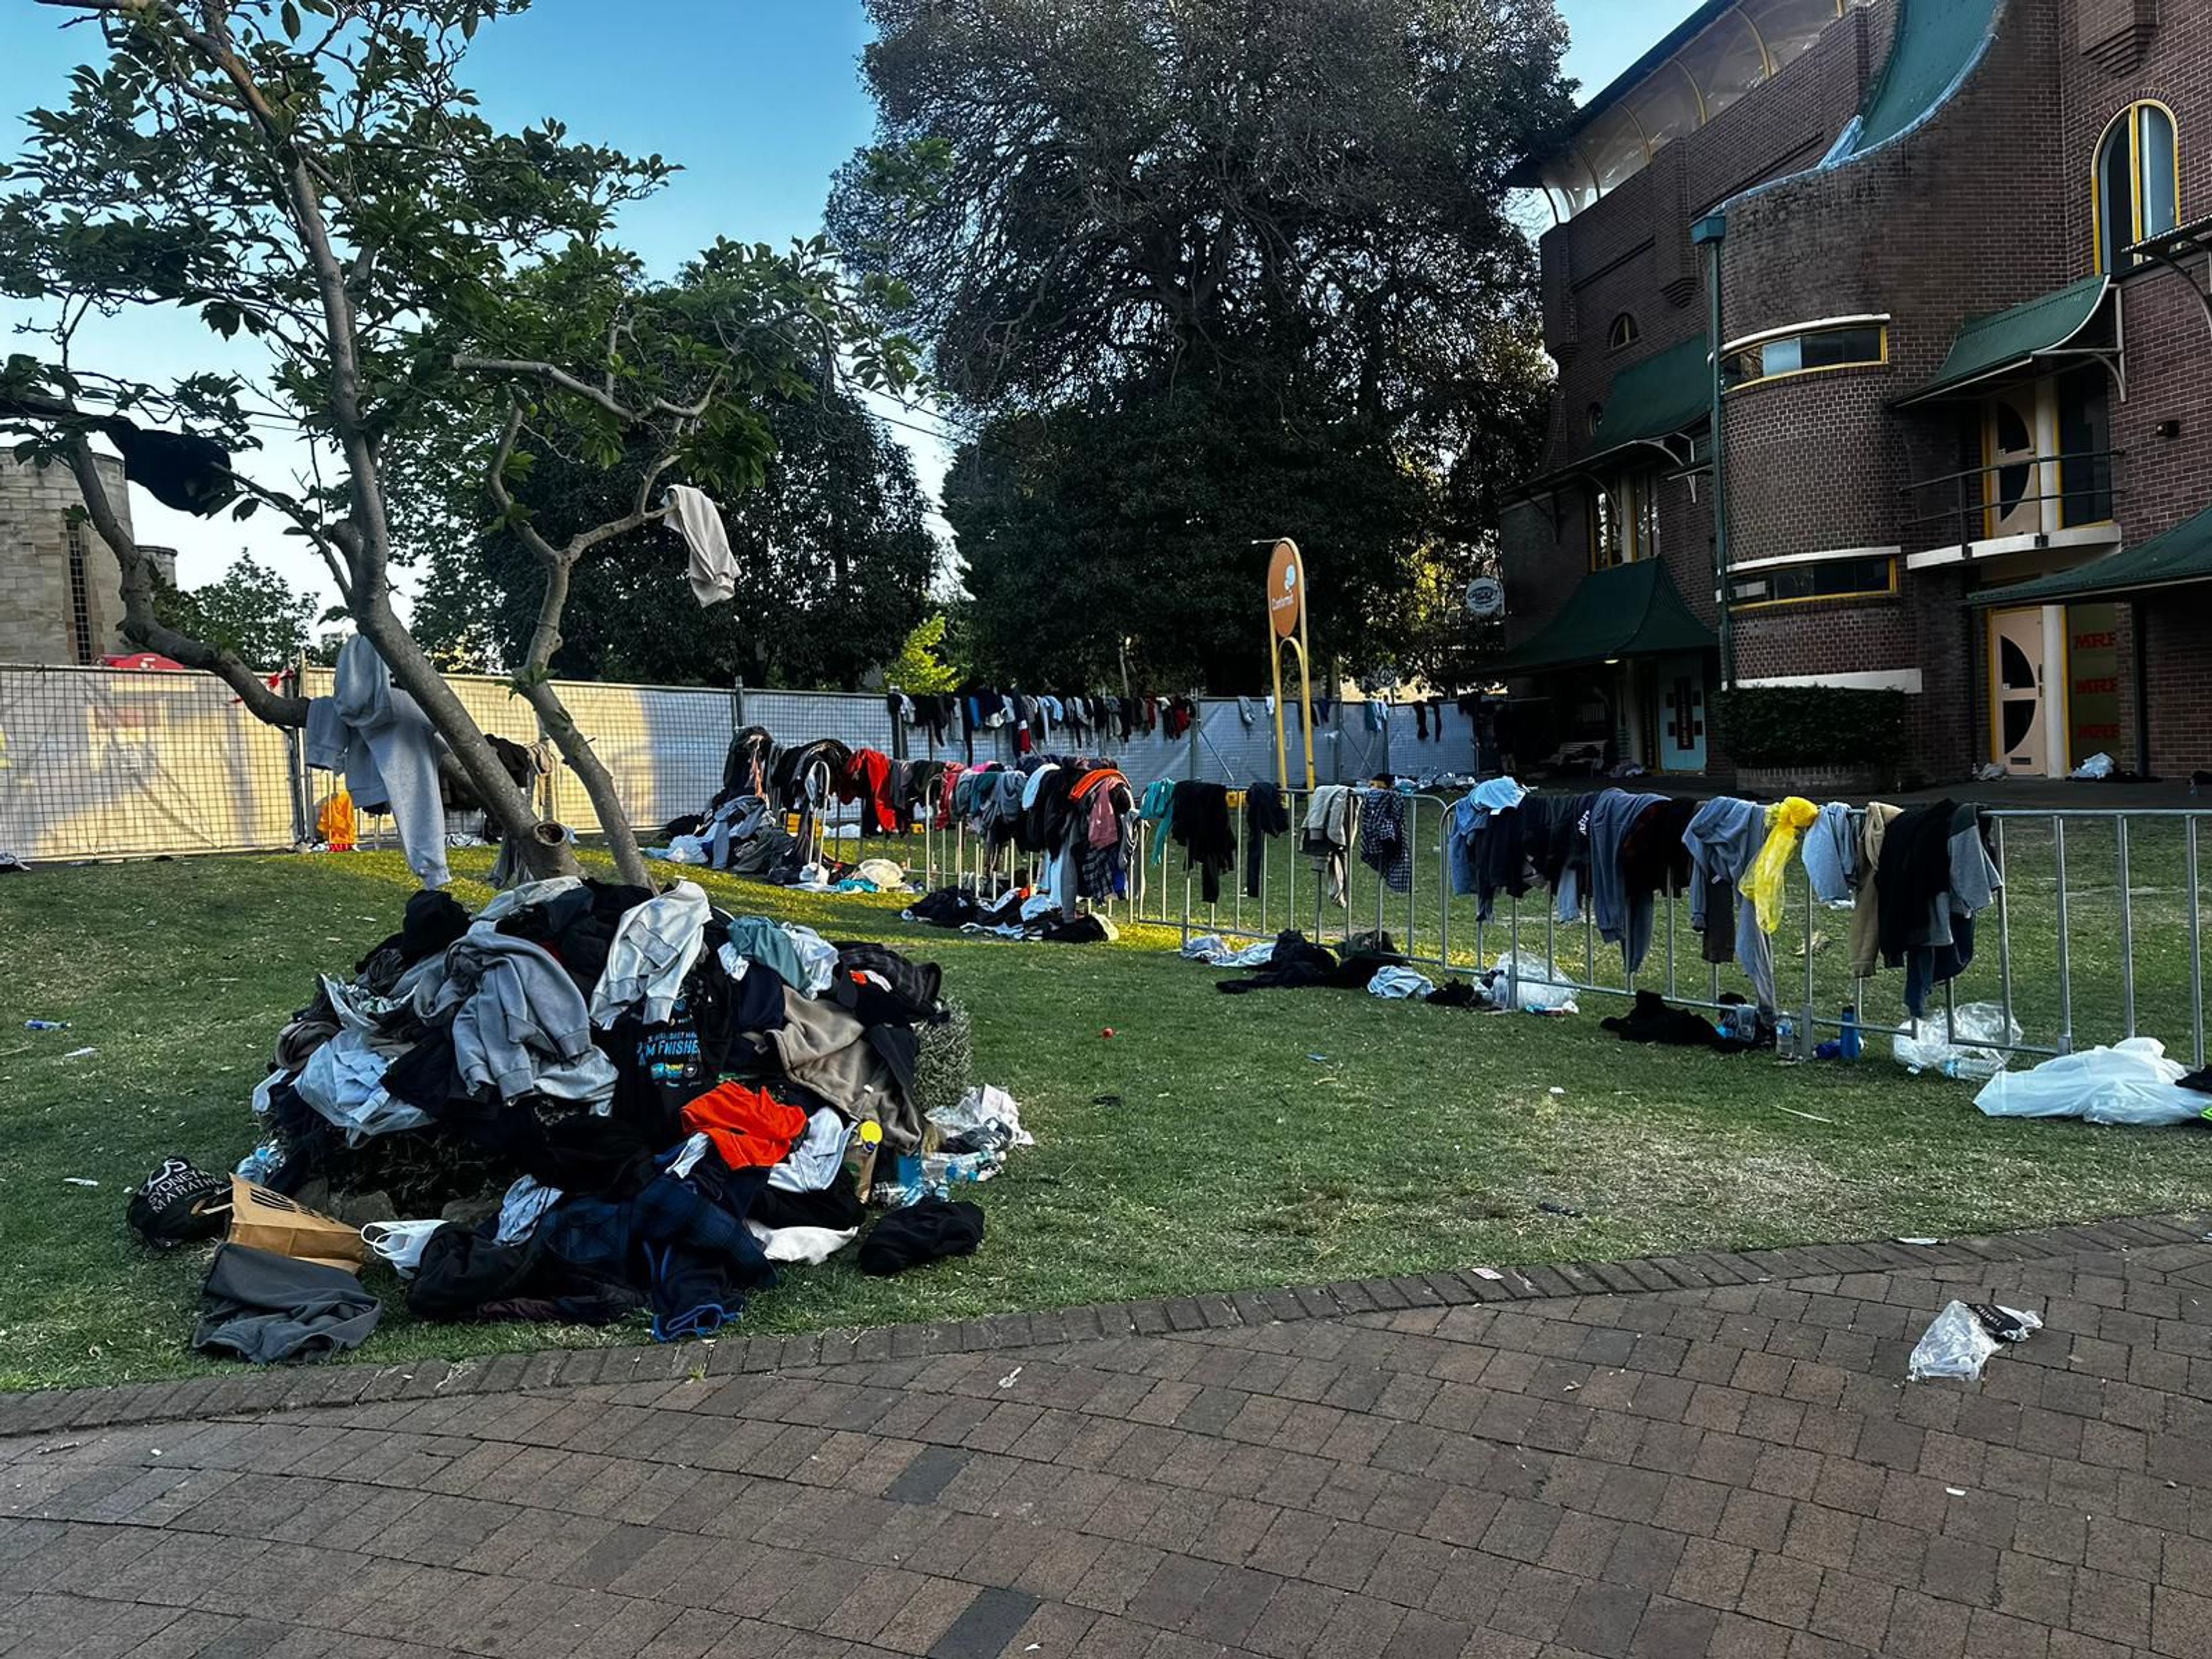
x=2127 y=931
x=2065 y=957
x=1806 y=1044
x=2195 y=951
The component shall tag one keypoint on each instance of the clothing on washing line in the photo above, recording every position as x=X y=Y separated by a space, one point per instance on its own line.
x=1654 y=857
x=1724 y=837
x=1421 y=720
x=1624 y=917
x=1266 y=816
x=1831 y=854
x=1786 y=822
x=1383 y=845
x=713 y=571
x=1203 y=829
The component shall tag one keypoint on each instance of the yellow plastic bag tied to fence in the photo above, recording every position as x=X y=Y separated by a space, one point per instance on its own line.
x=1785 y=826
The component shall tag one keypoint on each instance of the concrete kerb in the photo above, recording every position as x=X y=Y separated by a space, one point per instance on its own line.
x=52 y=1411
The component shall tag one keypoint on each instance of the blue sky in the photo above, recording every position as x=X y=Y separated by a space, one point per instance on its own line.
x=760 y=101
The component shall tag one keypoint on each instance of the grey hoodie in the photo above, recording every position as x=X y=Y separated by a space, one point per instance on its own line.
x=1621 y=919
x=389 y=750
x=1723 y=838
x=519 y=1023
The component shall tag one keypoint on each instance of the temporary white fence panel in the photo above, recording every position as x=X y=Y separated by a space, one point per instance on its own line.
x=663 y=745
x=98 y=762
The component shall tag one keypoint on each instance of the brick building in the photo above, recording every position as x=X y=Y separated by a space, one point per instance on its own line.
x=60 y=590
x=1966 y=436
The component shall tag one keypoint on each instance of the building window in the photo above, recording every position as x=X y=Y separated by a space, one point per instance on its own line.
x=1623 y=333
x=79 y=581
x=2135 y=183
x=1848 y=345
x=1593 y=417
x=1624 y=520
x=1874 y=577
x=2085 y=449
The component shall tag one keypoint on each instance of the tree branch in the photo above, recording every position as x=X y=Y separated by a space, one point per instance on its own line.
x=560 y=378
x=142 y=624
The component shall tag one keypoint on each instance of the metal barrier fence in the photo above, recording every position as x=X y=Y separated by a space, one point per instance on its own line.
x=2097 y=932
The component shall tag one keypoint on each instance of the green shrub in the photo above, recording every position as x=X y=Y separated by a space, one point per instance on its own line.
x=1812 y=726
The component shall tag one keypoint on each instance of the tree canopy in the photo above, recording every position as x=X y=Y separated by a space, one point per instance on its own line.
x=1202 y=273
x=314 y=178
x=833 y=549
x=250 y=611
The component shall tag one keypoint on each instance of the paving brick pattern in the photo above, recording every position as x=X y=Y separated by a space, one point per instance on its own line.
x=1712 y=1454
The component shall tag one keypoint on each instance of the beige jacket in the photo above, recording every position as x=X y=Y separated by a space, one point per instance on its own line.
x=1866 y=909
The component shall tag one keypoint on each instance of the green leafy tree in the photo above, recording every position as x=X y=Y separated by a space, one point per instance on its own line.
x=919 y=667
x=833 y=550
x=1205 y=273
x=311 y=179
x=251 y=612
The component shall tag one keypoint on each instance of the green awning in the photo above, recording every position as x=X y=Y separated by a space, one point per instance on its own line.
x=1629 y=611
x=1657 y=398
x=2183 y=553
x=2001 y=340
x=1935 y=45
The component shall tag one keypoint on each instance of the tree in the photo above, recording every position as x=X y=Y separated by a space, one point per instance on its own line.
x=251 y=612
x=312 y=176
x=1205 y=272
x=920 y=667
x=833 y=556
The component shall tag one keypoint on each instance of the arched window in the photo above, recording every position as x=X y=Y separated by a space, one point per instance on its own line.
x=1593 y=417
x=1623 y=332
x=2136 y=181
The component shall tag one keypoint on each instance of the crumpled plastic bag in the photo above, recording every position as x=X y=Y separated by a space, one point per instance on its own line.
x=2131 y=1083
x=985 y=1119
x=2097 y=766
x=1963 y=1337
x=1968 y=1052
x=1542 y=988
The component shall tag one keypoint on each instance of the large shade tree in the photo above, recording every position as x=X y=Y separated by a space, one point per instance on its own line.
x=834 y=555
x=312 y=181
x=1201 y=272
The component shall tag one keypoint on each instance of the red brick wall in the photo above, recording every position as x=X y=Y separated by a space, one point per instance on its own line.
x=1985 y=206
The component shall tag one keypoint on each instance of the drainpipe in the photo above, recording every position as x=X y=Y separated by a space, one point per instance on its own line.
x=1709 y=232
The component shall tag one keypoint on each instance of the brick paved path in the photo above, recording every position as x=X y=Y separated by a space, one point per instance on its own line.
x=1561 y=1463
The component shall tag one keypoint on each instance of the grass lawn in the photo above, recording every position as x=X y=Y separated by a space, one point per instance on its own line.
x=1212 y=1143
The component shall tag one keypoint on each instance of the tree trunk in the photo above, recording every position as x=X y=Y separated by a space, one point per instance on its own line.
x=599 y=783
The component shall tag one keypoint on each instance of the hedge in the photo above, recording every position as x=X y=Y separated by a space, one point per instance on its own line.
x=1812 y=726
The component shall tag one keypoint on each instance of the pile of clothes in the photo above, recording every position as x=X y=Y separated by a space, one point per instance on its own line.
x=586 y=1101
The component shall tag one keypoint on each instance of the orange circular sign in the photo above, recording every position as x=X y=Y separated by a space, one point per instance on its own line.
x=1287 y=589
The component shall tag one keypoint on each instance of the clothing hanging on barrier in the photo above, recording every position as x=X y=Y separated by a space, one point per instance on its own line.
x=1725 y=835
x=1624 y=916
x=1383 y=843
x=1328 y=834
x=1202 y=829
x=1266 y=816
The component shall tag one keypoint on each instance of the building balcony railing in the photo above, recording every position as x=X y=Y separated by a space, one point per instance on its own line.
x=2016 y=502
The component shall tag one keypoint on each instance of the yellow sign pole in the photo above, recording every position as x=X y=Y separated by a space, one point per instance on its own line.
x=1286 y=626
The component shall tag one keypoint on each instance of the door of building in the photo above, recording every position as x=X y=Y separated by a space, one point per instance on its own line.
x=2012 y=489
x=2026 y=733
x=1682 y=721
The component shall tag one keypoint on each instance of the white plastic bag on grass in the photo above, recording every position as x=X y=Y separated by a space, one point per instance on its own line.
x=2131 y=1082
x=1963 y=1337
x=1541 y=987
x=400 y=1243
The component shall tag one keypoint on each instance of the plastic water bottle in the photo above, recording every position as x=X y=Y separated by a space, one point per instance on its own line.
x=261 y=1163
x=1849 y=1043
x=45 y=1025
x=1785 y=1034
